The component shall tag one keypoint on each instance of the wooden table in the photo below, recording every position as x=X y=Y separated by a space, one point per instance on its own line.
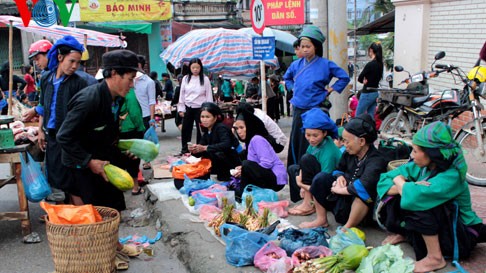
x=12 y=156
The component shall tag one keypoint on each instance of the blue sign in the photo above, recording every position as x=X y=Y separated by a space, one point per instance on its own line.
x=263 y=48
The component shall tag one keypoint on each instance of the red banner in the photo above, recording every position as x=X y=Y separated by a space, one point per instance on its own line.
x=284 y=12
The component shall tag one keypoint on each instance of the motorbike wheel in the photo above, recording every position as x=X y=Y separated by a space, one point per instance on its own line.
x=476 y=172
x=402 y=129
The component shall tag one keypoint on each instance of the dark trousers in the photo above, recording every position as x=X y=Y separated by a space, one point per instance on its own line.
x=288 y=97
x=340 y=205
x=272 y=110
x=280 y=105
x=253 y=173
x=222 y=163
x=435 y=221
x=298 y=144
x=146 y=122
x=191 y=115
x=310 y=168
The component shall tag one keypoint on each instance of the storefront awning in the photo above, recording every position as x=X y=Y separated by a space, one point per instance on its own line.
x=384 y=24
x=123 y=26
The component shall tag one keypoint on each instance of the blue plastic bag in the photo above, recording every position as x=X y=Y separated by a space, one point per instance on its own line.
x=151 y=135
x=342 y=239
x=242 y=245
x=35 y=182
x=293 y=239
x=259 y=194
x=191 y=185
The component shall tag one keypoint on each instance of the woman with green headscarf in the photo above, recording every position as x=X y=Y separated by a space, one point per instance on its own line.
x=417 y=200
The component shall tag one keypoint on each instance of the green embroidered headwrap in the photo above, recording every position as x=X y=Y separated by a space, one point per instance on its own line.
x=439 y=135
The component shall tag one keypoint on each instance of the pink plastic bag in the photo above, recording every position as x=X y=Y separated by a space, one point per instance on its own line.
x=278 y=208
x=268 y=255
x=207 y=212
x=312 y=251
x=282 y=265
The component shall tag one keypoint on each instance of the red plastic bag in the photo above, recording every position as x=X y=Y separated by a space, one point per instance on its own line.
x=278 y=208
x=268 y=255
x=70 y=214
x=192 y=171
x=310 y=252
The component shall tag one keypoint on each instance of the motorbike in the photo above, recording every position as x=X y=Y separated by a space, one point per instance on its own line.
x=406 y=110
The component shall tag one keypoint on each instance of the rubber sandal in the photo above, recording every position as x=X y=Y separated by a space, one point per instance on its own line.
x=299 y=212
x=147 y=166
x=120 y=263
x=131 y=250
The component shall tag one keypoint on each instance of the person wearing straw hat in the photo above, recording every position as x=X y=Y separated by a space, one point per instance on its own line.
x=309 y=78
x=81 y=69
x=418 y=200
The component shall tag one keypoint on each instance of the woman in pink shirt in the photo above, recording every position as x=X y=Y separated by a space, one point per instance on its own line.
x=30 y=87
x=195 y=90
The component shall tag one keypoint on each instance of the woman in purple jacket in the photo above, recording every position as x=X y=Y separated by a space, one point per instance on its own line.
x=262 y=166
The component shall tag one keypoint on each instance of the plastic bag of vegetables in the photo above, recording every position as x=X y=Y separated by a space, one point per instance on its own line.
x=293 y=239
x=144 y=149
x=386 y=259
x=347 y=259
x=344 y=237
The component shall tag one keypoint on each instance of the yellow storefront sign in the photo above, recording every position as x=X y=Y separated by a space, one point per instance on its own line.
x=124 y=10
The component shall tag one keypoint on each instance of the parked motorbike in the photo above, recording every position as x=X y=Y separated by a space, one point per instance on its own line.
x=407 y=110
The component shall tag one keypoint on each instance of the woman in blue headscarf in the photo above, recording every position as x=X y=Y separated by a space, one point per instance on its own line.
x=322 y=155
x=58 y=86
x=309 y=78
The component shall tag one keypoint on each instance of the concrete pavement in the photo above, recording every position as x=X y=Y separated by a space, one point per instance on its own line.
x=186 y=246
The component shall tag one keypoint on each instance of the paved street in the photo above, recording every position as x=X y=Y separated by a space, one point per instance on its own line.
x=186 y=246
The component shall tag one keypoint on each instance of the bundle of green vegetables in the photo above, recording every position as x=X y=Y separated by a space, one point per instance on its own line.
x=347 y=259
x=386 y=259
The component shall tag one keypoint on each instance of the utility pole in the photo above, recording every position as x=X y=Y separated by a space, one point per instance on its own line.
x=333 y=13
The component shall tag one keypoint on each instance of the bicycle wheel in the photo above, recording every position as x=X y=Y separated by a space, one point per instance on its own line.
x=401 y=128
x=476 y=171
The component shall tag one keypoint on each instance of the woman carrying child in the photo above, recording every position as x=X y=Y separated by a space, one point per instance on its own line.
x=217 y=143
x=322 y=155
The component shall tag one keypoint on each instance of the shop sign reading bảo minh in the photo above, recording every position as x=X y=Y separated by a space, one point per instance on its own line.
x=124 y=10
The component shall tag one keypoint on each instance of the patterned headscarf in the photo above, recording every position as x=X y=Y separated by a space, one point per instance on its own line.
x=315 y=118
x=439 y=135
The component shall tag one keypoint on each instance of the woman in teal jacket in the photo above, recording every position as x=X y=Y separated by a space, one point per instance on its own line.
x=418 y=200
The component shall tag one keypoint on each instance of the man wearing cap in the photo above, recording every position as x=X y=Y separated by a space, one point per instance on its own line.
x=349 y=192
x=309 y=78
x=91 y=130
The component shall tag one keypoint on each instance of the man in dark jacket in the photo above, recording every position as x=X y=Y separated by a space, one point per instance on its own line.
x=58 y=86
x=90 y=132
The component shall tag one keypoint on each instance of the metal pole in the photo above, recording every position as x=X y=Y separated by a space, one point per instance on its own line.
x=263 y=86
x=355 y=82
x=10 y=60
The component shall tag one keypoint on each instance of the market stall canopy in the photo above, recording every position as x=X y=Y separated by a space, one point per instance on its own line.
x=226 y=52
x=95 y=38
x=124 y=26
x=283 y=40
x=384 y=24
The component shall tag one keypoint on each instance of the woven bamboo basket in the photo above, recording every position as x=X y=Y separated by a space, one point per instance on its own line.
x=396 y=163
x=87 y=248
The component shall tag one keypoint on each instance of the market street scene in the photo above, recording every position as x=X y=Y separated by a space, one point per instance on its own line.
x=242 y=136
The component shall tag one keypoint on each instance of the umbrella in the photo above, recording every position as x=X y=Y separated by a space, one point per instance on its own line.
x=222 y=51
x=95 y=38
x=283 y=40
